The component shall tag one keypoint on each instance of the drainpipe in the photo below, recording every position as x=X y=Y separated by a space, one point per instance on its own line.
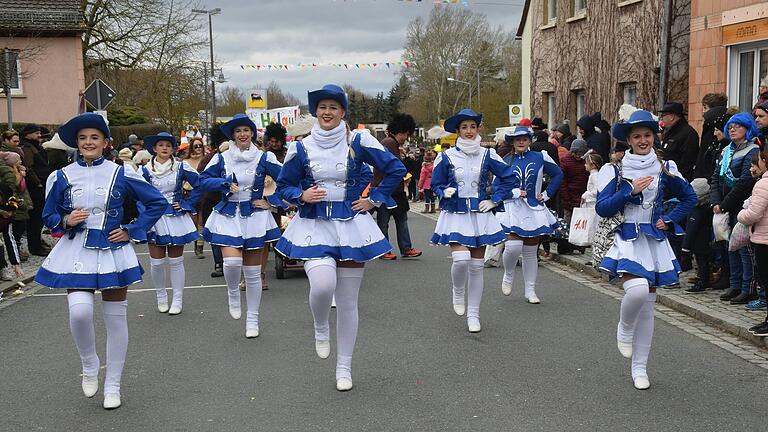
x=666 y=29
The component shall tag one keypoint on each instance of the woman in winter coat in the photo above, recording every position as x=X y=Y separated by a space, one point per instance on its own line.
x=641 y=255
x=731 y=185
x=756 y=216
x=575 y=177
x=425 y=182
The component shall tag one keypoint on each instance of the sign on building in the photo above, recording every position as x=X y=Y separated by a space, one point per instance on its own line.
x=515 y=114
x=256 y=99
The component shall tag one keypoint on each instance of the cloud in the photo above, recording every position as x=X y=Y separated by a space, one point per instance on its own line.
x=324 y=31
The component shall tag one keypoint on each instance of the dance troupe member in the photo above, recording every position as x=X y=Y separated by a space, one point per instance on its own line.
x=641 y=255
x=460 y=177
x=525 y=217
x=325 y=175
x=241 y=223
x=84 y=201
x=176 y=227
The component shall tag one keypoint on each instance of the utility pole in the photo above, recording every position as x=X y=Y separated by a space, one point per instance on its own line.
x=7 y=72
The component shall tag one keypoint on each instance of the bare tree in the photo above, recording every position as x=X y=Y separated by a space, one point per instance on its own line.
x=450 y=36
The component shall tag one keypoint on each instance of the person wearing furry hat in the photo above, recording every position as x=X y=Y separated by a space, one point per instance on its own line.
x=274 y=140
x=586 y=126
x=732 y=183
x=324 y=175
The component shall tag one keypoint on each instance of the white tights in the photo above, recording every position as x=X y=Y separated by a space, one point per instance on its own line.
x=81 y=326
x=512 y=251
x=325 y=282
x=176 y=267
x=636 y=322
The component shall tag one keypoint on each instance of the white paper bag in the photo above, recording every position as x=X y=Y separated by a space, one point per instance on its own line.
x=582 y=228
x=721 y=226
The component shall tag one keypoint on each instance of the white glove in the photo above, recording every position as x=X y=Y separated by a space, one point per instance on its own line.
x=486 y=206
x=448 y=192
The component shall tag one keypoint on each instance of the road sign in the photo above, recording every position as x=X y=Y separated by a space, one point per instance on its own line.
x=515 y=114
x=99 y=95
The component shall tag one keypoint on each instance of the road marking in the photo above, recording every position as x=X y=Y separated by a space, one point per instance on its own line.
x=740 y=348
x=135 y=290
x=185 y=251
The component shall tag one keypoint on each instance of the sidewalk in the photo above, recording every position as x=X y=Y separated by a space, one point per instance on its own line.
x=14 y=287
x=705 y=307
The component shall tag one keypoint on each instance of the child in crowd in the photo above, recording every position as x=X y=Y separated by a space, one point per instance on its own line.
x=425 y=182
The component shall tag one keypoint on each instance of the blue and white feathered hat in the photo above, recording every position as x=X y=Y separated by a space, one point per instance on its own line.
x=639 y=118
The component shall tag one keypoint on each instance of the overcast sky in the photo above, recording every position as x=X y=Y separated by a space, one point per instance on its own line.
x=324 y=31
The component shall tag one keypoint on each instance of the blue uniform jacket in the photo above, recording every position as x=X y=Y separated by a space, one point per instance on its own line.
x=184 y=173
x=527 y=176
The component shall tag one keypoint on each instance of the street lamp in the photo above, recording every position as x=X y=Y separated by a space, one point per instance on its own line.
x=211 y=13
x=468 y=85
x=477 y=72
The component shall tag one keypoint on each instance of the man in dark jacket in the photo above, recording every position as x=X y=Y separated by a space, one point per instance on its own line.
x=681 y=141
x=562 y=133
x=399 y=129
x=541 y=140
x=761 y=118
x=595 y=141
x=36 y=162
x=712 y=141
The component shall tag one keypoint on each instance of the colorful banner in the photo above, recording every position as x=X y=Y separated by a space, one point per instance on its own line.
x=314 y=66
x=284 y=116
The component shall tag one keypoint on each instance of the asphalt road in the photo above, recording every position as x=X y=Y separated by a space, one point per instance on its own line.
x=551 y=367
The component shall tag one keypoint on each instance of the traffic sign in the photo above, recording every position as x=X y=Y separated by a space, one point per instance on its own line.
x=99 y=95
x=515 y=114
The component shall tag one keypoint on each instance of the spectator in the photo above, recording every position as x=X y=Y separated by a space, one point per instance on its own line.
x=711 y=100
x=575 y=178
x=124 y=158
x=36 y=162
x=712 y=141
x=595 y=141
x=562 y=133
x=731 y=184
x=11 y=142
x=619 y=149
x=762 y=96
x=541 y=141
x=425 y=182
x=135 y=143
x=681 y=141
x=756 y=216
x=141 y=158
x=414 y=170
x=399 y=129
x=58 y=153
x=12 y=174
x=8 y=205
x=592 y=163
x=752 y=209
x=761 y=118
x=274 y=137
x=698 y=233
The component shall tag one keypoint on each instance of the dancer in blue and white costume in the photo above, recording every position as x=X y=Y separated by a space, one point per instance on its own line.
x=641 y=255
x=175 y=228
x=241 y=223
x=325 y=175
x=460 y=178
x=84 y=202
x=525 y=217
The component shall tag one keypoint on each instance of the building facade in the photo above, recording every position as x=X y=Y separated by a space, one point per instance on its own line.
x=594 y=55
x=729 y=52
x=43 y=41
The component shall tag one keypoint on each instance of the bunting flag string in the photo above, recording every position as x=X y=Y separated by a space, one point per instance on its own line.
x=314 y=66
x=436 y=2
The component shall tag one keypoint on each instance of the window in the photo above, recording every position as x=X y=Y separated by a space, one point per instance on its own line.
x=748 y=65
x=630 y=93
x=549 y=107
x=13 y=77
x=550 y=12
x=581 y=103
x=579 y=7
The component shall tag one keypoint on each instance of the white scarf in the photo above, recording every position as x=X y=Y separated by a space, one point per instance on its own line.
x=469 y=147
x=634 y=165
x=159 y=170
x=329 y=138
x=249 y=155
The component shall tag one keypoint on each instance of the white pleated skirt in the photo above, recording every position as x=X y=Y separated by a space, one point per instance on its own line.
x=472 y=229
x=645 y=256
x=358 y=239
x=173 y=231
x=520 y=219
x=251 y=232
x=72 y=266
